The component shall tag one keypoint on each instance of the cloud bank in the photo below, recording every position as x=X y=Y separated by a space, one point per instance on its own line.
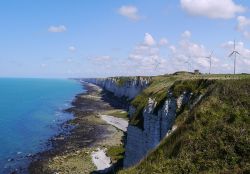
x=217 y=9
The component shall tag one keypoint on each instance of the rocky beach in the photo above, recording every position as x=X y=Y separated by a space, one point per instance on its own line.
x=90 y=139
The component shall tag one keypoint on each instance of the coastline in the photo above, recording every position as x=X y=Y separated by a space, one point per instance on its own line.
x=71 y=150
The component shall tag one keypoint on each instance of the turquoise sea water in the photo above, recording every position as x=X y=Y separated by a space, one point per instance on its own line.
x=30 y=113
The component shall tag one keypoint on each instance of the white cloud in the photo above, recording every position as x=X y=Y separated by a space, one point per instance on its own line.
x=172 y=48
x=242 y=22
x=243 y=26
x=246 y=34
x=146 y=58
x=186 y=34
x=163 y=42
x=130 y=12
x=227 y=66
x=57 y=29
x=72 y=48
x=149 y=40
x=188 y=51
x=149 y=59
x=223 y=9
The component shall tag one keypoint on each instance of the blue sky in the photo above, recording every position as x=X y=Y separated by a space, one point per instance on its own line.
x=94 y=38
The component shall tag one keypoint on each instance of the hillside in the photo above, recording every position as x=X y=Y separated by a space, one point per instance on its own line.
x=213 y=127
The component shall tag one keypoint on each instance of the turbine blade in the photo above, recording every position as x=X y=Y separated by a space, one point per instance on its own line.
x=211 y=53
x=236 y=52
x=231 y=54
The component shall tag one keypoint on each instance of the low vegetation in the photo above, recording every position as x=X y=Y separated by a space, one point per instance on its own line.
x=78 y=162
x=118 y=113
x=116 y=153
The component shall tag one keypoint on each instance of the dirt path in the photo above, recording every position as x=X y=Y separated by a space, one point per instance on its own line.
x=119 y=123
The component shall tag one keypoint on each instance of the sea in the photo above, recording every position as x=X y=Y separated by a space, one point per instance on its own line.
x=31 y=112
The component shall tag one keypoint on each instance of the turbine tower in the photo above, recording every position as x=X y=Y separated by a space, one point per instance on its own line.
x=210 y=61
x=188 y=65
x=234 y=52
x=157 y=63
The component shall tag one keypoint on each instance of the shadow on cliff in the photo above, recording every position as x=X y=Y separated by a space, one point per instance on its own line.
x=113 y=101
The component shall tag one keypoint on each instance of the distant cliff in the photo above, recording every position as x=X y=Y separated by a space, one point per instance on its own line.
x=128 y=87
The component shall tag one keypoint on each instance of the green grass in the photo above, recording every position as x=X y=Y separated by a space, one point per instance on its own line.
x=118 y=113
x=116 y=153
x=122 y=80
x=213 y=137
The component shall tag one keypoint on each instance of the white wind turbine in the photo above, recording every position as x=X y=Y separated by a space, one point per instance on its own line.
x=234 y=52
x=210 y=61
x=157 y=63
x=188 y=63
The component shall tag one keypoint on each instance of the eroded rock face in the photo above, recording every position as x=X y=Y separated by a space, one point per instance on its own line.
x=127 y=88
x=182 y=99
x=155 y=128
x=167 y=115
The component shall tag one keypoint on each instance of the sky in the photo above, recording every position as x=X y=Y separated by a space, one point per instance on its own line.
x=100 y=38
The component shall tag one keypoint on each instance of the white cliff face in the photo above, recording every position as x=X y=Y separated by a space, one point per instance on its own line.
x=167 y=115
x=130 y=88
x=155 y=128
x=182 y=99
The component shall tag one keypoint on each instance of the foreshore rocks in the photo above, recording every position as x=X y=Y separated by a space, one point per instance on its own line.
x=70 y=151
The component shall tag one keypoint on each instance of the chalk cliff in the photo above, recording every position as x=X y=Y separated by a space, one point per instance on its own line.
x=155 y=127
x=122 y=86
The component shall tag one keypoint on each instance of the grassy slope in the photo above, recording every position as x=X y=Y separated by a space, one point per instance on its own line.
x=159 y=87
x=213 y=137
x=157 y=90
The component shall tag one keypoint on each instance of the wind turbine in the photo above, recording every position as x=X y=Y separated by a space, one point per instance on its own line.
x=188 y=64
x=234 y=52
x=157 y=63
x=210 y=60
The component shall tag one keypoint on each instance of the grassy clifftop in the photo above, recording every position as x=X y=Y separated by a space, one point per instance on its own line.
x=212 y=137
x=159 y=86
